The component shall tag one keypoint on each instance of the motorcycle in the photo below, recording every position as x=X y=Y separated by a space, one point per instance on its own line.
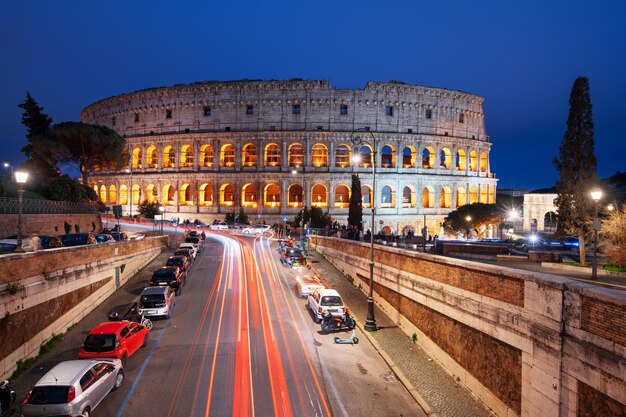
x=332 y=323
x=7 y=398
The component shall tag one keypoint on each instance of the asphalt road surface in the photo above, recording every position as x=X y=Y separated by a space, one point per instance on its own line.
x=240 y=343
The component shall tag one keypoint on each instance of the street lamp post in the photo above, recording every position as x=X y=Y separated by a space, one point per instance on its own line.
x=8 y=165
x=20 y=179
x=596 y=195
x=295 y=172
x=162 y=212
x=357 y=141
x=130 y=192
x=468 y=219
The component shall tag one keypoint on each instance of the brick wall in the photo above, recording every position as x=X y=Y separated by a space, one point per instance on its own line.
x=48 y=224
x=604 y=319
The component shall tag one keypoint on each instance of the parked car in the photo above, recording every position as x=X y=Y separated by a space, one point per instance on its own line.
x=308 y=284
x=187 y=252
x=325 y=300
x=157 y=301
x=193 y=247
x=196 y=241
x=104 y=238
x=78 y=239
x=119 y=236
x=169 y=275
x=257 y=229
x=191 y=233
x=181 y=262
x=114 y=339
x=73 y=388
x=218 y=226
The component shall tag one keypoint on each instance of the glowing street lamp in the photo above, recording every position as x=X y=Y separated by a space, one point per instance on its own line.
x=468 y=219
x=9 y=166
x=596 y=195
x=20 y=178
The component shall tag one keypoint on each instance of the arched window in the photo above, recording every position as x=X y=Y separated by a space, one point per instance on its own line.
x=249 y=155
x=272 y=155
x=366 y=196
x=272 y=196
x=205 y=195
x=186 y=195
x=169 y=157
x=186 y=156
x=167 y=197
x=473 y=161
x=343 y=156
x=388 y=156
x=461 y=196
x=112 y=195
x=408 y=197
x=473 y=195
x=319 y=155
x=445 y=158
x=136 y=159
x=483 y=194
x=123 y=194
x=135 y=194
x=445 y=197
x=152 y=157
x=318 y=194
x=461 y=160
x=365 y=156
x=296 y=155
x=428 y=157
x=387 y=197
x=428 y=197
x=152 y=194
x=483 y=162
x=103 y=194
x=342 y=196
x=549 y=222
x=249 y=196
x=206 y=156
x=227 y=156
x=227 y=195
x=492 y=196
x=295 y=196
x=408 y=157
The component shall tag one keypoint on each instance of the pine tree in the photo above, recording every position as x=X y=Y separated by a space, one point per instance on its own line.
x=355 y=210
x=577 y=167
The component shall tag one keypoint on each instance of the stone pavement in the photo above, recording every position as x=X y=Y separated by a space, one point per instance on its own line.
x=432 y=387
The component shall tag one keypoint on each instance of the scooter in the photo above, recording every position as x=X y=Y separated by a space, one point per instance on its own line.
x=352 y=340
x=332 y=323
x=7 y=398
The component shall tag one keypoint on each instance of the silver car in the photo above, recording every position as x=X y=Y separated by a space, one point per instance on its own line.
x=73 y=388
x=157 y=301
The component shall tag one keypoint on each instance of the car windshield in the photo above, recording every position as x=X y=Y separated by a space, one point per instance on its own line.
x=332 y=301
x=153 y=300
x=100 y=343
x=174 y=262
x=49 y=395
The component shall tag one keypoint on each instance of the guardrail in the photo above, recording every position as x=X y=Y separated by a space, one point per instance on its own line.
x=31 y=206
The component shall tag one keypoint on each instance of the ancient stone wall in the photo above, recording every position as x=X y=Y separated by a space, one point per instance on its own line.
x=49 y=224
x=525 y=344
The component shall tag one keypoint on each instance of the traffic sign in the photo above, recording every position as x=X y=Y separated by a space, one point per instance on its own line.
x=285 y=218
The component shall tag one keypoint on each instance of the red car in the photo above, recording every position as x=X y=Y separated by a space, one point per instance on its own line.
x=114 y=339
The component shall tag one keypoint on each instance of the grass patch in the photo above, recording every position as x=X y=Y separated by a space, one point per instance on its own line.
x=613 y=268
x=350 y=279
x=23 y=366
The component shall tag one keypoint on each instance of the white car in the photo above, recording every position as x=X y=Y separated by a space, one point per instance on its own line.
x=325 y=300
x=218 y=226
x=192 y=246
x=257 y=229
x=308 y=284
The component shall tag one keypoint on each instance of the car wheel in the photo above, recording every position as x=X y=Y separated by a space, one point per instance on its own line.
x=145 y=341
x=119 y=379
x=86 y=412
x=124 y=357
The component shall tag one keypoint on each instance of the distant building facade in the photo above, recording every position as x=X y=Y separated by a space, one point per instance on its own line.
x=540 y=213
x=206 y=149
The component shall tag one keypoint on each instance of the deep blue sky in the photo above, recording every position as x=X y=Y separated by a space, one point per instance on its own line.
x=522 y=57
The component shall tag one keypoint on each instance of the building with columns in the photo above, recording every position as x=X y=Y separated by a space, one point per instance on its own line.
x=206 y=149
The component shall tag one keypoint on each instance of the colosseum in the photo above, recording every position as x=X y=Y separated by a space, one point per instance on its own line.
x=210 y=148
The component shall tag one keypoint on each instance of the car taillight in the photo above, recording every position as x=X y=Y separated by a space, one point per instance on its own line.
x=28 y=396
x=71 y=394
x=319 y=309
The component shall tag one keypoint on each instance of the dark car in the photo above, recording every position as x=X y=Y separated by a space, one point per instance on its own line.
x=169 y=275
x=181 y=262
x=184 y=252
x=104 y=238
x=77 y=239
x=119 y=236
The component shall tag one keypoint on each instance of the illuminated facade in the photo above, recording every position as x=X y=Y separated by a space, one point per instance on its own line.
x=206 y=149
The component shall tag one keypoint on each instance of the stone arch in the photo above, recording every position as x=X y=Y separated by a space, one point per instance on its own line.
x=342 y=196
x=366 y=156
x=185 y=195
x=386 y=231
x=492 y=195
x=272 y=155
x=445 y=158
x=271 y=195
x=428 y=197
x=473 y=195
x=473 y=161
x=319 y=195
x=343 y=156
x=366 y=196
x=409 y=154
x=186 y=156
x=445 y=197
x=483 y=162
x=169 y=157
x=319 y=155
x=135 y=194
x=461 y=160
x=550 y=221
x=249 y=157
x=428 y=157
x=408 y=228
x=296 y=155
x=483 y=194
x=387 y=197
x=103 y=194
x=249 y=195
x=151 y=194
x=152 y=157
x=295 y=195
x=205 y=195
x=123 y=194
x=388 y=156
x=136 y=158
x=227 y=155
x=227 y=195
x=408 y=197
x=112 y=194
x=461 y=196
x=167 y=195
x=206 y=156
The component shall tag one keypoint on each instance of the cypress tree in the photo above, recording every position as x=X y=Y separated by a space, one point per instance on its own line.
x=355 y=210
x=577 y=167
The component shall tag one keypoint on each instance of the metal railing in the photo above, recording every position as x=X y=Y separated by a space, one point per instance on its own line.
x=10 y=206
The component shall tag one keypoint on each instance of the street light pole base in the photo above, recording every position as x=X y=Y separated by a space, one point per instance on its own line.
x=370 y=321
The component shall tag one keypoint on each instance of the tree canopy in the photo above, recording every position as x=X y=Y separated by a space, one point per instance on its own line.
x=355 y=210
x=577 y=167
x=613 y=234
x=314 y=216
x=481 y=218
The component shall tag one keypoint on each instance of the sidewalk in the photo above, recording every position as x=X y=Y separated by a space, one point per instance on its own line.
x=434 y=389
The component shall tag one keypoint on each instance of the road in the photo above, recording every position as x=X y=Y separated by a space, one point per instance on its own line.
x=240 y=343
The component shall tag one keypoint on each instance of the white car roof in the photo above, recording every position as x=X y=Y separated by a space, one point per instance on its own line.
x=328 y=291
x=65 y=373
x=187 y=245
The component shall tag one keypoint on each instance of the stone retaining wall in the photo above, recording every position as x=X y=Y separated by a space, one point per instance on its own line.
x=525 y=344
x=49 y=224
